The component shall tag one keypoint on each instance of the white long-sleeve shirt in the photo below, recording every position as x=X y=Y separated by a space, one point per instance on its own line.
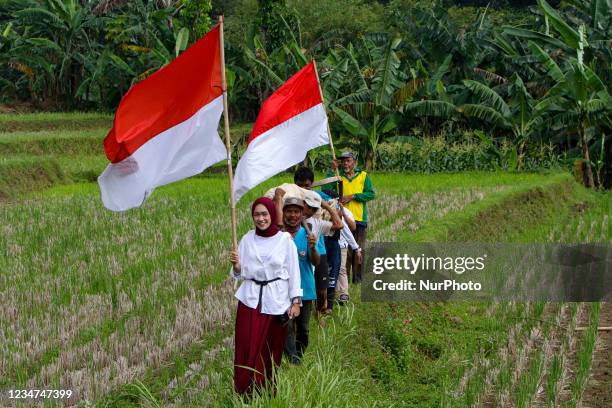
x=264 y=259
x=346 y=236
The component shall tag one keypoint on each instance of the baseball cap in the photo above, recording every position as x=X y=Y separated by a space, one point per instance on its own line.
x=346 y=154
x=312 y=199
x=293 y=201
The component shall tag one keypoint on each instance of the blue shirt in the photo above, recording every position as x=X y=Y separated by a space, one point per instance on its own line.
x=306 y=271
x=324 y=196
x=321 y=246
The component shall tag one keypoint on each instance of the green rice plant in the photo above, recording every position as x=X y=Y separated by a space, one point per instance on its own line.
x=143 y=395
x=554 y=375
x=497 y=215
x=527 y=386
x=585 y=355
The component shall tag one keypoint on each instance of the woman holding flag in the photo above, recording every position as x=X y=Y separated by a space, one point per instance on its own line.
x=270 y=295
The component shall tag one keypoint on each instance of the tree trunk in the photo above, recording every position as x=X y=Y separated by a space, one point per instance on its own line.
x=369 y=161
x=587 y=159
x=607 y=166
x=520 y=156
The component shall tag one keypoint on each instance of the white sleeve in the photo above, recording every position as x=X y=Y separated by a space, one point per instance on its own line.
x=350 y=239
x=234 y=275
x=349 y=214
x=293 y=267
x=326 y=228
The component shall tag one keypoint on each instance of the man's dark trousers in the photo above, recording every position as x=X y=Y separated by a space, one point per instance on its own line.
x=333 y=259
x=360 y=234
x=297 y=334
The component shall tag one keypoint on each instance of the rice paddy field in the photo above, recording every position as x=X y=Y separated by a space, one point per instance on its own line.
x=137 y=308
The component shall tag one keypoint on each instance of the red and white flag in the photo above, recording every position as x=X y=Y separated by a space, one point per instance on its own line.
x=165 y=128
x=291 y=122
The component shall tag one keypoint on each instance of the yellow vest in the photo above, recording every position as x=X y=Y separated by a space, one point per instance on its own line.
x=353 y=187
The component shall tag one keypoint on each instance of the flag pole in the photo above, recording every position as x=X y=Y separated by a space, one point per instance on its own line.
x=228 y=146
x=331 y=143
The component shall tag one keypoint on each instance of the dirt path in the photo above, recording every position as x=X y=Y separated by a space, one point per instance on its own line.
x=598 y=392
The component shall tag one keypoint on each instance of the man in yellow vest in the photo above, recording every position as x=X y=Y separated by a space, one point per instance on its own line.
x=357 y=190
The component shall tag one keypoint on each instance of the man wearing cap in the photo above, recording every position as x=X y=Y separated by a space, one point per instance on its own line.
x=321 y=229
x=304 y=178
x=357 y=190
x=293 y=212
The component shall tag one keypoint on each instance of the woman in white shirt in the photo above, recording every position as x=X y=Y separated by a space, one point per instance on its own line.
x=270 y=294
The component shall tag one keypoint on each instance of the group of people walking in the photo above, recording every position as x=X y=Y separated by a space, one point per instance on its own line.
x=293 y=264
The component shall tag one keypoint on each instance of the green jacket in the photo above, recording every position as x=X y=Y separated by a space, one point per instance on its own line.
x=362 y=197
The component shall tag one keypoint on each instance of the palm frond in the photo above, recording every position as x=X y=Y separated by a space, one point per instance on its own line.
x=570 y=36
x=38 y=15
x=484 y=113
x=386 y=80
x=406 y=92
x=536 y=36
x=552 y=69
x=490 y=76
x=350 y=123
x=430 y=108
x=488 y=96
x=360 y=96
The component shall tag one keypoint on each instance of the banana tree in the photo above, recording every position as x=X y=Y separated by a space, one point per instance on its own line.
x=55 y=42
x=434 y=35
x=375 y=88
x=429 y=100
x=517 y=115
x=578 y=100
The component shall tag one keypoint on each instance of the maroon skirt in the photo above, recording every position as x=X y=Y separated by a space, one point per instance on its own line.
x=259 y=342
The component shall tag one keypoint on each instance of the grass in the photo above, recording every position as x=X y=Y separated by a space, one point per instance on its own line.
x=135 y=287
x=18 y=176
x=54 y=121
x=135 y=309
x=498 y=215
x=128 y=282
x=64 y=143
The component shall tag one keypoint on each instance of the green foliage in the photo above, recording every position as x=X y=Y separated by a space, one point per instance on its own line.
x=194 y=16
x=436 y=155
x=578 y=100
x=324 y=23
x=274 y=22
x=373 y=89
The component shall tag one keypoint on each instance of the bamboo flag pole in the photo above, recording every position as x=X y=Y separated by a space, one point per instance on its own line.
x=228 y=146
x=331 y=143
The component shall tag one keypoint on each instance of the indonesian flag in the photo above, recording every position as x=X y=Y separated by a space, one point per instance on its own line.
x=291 y=122
x=165 y=128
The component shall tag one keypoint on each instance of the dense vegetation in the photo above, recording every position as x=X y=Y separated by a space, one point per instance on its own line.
x=402 y=71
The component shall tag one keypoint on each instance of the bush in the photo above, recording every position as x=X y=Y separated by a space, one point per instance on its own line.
x=438 y=155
